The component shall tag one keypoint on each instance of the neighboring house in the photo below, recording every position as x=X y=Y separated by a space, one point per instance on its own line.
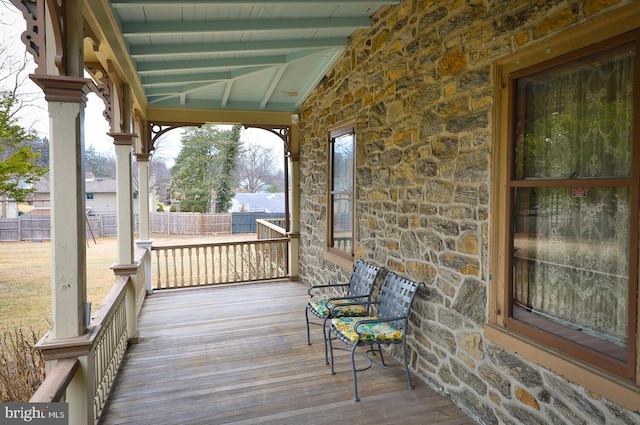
x=258 y=202
x=100 y=195
x=8 y=208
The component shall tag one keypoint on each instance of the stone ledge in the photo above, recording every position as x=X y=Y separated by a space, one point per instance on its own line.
x=612 y=387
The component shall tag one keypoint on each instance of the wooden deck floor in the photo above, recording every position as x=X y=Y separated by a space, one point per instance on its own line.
x=238 y=355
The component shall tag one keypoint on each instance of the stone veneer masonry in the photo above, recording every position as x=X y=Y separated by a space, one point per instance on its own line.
x=419 y=85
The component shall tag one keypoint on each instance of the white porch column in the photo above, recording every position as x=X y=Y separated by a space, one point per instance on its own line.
x=145 y=240
x=123 y=143
x=143 y=194
x=294 y=230
x=66 y=97
x=124 y=204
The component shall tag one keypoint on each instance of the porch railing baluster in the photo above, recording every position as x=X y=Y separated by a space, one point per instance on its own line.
x=190 y=266
x=206 y=271
x=175 y=275
x=182 y=267
x=225 y=262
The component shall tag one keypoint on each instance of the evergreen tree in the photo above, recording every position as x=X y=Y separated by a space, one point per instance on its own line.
x=198 y=167
x=19 y=170
x=101 y=165
x=227 y=181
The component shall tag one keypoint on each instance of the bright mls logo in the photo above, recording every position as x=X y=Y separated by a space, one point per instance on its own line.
x=34 y=413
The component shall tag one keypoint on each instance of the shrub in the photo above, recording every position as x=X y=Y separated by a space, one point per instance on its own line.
x=22 y=368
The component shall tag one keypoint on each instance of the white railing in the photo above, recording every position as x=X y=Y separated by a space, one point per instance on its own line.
x=271 y=228
x=90 y=363
x=181 y=266
x=110 y=342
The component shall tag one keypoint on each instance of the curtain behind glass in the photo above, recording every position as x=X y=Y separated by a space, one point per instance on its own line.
x=578 y=123
x=571 y=244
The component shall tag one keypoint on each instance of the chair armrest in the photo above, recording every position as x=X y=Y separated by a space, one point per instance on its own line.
x=377 y=320
x=338 y=285
x=362 y=303
x=355 y=297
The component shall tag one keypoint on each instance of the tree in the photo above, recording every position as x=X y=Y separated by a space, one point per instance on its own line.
x=257 y=167
x=18 y=168
x=40 y=145
x=101 y=165
x=276 y=184
x=198 y=167
x=227 y=180
x=159 y=177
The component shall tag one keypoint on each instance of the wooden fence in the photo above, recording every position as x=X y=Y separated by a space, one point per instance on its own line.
x=190 y=223
x=38 y=227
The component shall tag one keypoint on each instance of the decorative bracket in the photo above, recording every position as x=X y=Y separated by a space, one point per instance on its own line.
x=158 y=129
x=101 y=78
x=33 y=12
x=282 y=132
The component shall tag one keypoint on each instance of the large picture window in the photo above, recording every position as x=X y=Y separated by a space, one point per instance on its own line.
x=341 y=190
x=570 y=236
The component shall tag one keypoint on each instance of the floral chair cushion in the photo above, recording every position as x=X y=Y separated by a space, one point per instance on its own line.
x=379 y=331
x=321 y=309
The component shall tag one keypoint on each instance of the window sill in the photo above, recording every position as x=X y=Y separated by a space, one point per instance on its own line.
x=612 y=387
x=338 y=260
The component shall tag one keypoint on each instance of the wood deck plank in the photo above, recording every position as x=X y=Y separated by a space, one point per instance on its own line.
x=238 y=355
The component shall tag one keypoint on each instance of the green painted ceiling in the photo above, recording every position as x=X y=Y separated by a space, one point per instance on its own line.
x=260 y=55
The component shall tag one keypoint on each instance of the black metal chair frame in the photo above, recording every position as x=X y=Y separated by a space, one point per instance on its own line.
x=393 y=307
x=359 y=289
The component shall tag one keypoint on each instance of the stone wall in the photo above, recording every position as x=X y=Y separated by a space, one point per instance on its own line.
x=419 y=85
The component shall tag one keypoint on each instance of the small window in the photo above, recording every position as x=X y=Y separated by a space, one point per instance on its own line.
x=135 y=195
x=570 y=192
x=90 y=196
x=342 y=142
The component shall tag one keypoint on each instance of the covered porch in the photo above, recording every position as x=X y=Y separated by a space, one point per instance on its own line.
x=423 y=85
x=237 y=354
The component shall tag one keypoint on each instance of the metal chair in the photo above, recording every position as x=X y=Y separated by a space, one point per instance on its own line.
x=388 y=327
x=359 y=289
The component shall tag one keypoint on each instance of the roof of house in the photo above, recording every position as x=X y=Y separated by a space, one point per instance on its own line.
x=267 y=202
x=97 y=185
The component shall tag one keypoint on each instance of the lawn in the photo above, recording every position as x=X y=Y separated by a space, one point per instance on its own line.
x=25 y=281
x=25 y=277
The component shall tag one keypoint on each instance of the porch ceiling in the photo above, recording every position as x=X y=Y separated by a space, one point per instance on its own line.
x=249 y=55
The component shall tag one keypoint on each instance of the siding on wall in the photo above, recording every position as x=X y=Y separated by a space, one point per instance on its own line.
x=419 y=85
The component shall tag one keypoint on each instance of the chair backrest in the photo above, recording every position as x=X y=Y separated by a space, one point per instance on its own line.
x=363 y=278
x=396 y=298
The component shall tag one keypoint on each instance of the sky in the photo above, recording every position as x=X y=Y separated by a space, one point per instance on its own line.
x=12 y=24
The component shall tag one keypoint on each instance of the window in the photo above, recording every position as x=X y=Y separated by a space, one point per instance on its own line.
x=90 y=196
x=341 y=183
x=569 y=240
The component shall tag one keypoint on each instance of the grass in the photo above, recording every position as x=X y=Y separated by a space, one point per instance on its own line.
x=25 y=307
x=25 y=277
x=25 y=281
